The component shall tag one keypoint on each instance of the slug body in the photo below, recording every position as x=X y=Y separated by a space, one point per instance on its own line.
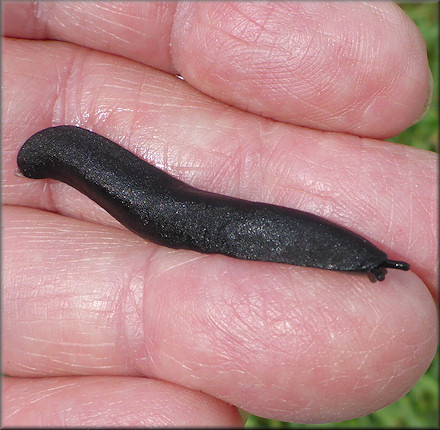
x=165 y=210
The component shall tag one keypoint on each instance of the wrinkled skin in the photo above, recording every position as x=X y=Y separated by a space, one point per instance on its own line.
x=282 y=102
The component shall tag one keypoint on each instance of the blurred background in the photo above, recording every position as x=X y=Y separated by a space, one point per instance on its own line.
x=420 y=407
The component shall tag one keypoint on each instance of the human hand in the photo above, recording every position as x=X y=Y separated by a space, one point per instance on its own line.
x=124 y=332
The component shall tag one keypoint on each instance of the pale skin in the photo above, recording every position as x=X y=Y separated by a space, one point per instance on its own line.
x=284 y=103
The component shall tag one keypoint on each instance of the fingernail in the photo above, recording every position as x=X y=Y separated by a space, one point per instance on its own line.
x=428 y=101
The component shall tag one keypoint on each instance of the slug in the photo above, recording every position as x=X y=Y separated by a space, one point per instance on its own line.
x=166 y=211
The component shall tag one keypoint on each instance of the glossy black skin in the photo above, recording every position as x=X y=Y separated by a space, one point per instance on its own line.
x=164 y=210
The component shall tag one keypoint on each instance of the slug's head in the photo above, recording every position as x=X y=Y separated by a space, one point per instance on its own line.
x=378 y=273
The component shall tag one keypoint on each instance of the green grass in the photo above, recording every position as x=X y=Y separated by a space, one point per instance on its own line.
x=419 y=408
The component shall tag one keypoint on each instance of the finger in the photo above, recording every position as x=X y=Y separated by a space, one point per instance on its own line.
x=290 y=343
x=386 y=192
x=359 y=68
x=109 y=401
x=137 y=30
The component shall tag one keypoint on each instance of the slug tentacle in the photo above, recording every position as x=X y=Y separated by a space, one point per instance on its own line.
x=392 y=264
x=160 y=208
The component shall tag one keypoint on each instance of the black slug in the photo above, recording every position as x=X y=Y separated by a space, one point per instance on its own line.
x=165 y=210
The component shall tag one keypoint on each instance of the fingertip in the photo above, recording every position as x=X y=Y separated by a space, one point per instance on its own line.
x=360 y=69
x=428 y=101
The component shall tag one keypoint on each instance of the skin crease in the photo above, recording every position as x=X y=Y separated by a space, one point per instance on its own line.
x=84 y=298
x=150 y=404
